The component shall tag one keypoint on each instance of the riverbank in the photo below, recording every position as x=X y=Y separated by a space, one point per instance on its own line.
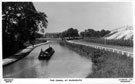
x=21 y=54
x=105 y=64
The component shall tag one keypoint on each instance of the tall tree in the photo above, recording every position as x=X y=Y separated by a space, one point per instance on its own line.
x=20 y=22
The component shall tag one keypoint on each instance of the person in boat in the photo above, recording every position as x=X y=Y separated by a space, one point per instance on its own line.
x=41 y=50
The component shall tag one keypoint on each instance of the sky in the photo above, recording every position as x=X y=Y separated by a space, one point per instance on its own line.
x=86 y=15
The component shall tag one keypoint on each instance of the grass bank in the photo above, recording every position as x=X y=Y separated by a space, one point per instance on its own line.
x=118 y=42
x=105 y=64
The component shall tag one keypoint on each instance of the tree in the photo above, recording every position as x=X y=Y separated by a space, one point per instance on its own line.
x=20 y=22
x=70 y=33
x=93 y=33
x=82 y=34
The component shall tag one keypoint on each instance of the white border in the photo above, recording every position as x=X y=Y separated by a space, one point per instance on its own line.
x=0 y=41
x=70 y=0
x=47 y=80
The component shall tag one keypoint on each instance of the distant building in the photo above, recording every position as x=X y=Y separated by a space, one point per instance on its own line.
x=52 y=35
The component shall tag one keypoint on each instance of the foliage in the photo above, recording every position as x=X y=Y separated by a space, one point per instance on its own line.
x=111 y=65
x=93 y=33
x=20 y=21
x=71 y=32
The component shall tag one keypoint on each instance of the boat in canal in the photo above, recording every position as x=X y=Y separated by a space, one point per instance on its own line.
x=46 y=54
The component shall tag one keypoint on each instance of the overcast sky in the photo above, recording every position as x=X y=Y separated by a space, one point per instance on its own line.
x=84 y=15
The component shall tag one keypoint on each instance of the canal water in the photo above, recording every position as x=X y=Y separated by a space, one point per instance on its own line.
x=64 y=63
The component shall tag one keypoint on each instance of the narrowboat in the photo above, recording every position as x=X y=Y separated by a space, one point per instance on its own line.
x=46 y=54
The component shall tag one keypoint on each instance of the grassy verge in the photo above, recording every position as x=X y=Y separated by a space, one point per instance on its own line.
x=119 y=42
x=105 y=64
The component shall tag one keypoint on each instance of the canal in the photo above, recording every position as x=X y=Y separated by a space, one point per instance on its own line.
x=64 y=63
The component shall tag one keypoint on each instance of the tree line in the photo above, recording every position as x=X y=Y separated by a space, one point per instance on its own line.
x=69 y=33
x=94 y=33
x=73 y=33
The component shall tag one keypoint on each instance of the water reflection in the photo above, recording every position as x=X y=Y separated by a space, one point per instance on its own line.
x=64 y=63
